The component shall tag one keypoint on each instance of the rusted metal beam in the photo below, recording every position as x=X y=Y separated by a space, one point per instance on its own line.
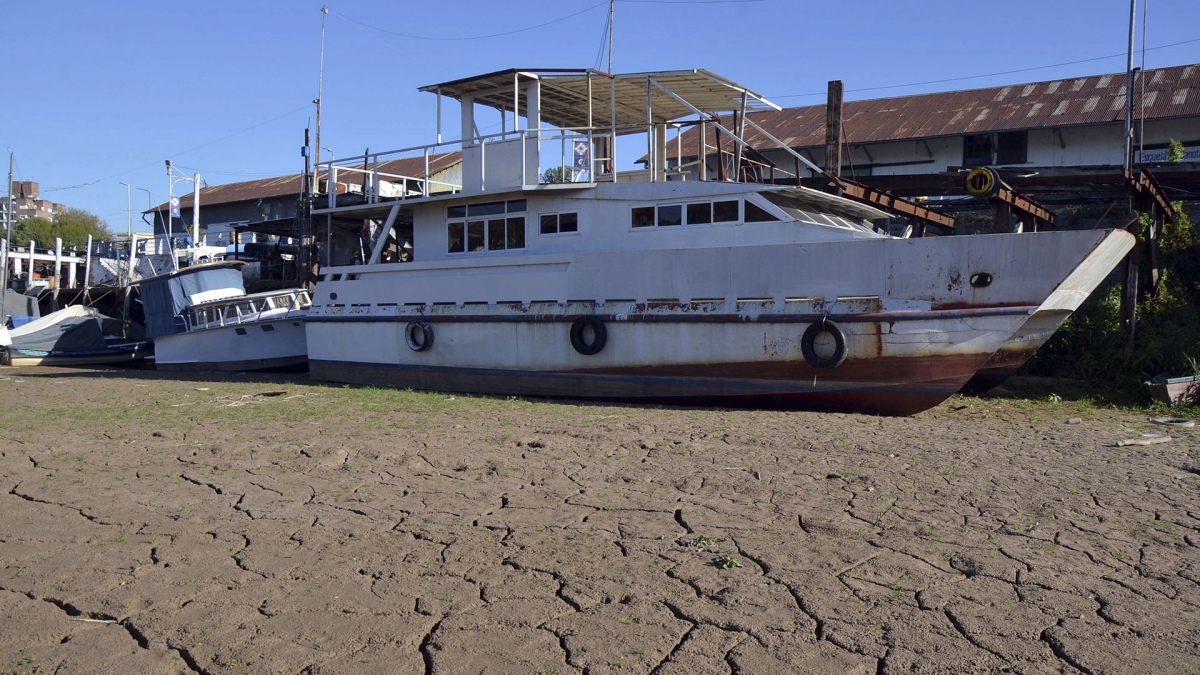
x=893 y=204
x=1025 y=205
x=1146 y=191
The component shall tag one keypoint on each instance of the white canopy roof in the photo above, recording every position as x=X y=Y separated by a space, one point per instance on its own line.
x=567 y=96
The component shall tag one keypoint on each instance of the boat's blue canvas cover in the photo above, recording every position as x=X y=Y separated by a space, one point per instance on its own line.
x=165 y=298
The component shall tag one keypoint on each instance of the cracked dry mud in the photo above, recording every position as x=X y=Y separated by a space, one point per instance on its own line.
x=163 y=525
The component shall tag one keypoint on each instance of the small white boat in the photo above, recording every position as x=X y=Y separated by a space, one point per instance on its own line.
x=75 y=336
x=202 y=319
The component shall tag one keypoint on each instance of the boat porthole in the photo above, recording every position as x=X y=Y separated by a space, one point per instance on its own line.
x=588 y=335
x=333 y=296
x=824 y=345
x=981 y=280
x=419 y=335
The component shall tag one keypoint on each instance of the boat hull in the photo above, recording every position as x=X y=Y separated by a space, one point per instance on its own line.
x=260 y=345
x=882 y=389
x=894 y=363
x=116 y=355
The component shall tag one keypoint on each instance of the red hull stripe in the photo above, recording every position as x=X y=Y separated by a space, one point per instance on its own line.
x=685 y=317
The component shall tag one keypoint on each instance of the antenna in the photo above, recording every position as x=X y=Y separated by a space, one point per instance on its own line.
x=317 y=100
x=1129 y=90
x=612 y=10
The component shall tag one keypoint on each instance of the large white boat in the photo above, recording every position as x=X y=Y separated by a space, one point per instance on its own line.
x=202 y=319
x=678 y=283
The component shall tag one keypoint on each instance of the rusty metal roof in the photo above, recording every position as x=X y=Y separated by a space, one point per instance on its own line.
x=1100 y=99
x=292 y=184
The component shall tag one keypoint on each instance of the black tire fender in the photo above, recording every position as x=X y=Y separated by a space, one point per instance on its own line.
x=808 y=345
x=578 y=334
x=419 y=335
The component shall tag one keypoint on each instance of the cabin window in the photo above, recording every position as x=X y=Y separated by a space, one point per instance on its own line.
x=643 y=216
x=559 y=223
x=757 y=214
x=725 y=211
x=695 y=213
x=699 y=214
x=670 y=215
x=490 y=226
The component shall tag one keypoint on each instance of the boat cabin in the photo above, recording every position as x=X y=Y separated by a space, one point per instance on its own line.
x=545 y=184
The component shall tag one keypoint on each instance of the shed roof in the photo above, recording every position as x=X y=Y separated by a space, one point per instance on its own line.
x=565 y=95
x=291 y=185
x=1100 y=99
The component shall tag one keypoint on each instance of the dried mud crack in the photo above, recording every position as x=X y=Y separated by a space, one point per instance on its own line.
x=383 y=531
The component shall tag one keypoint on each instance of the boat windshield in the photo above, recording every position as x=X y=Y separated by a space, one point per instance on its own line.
x=811 y=213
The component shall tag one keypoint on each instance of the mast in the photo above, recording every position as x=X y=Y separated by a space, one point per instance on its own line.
x=1129 y=90
x=320 y=94
x=612 y=10
x=8 y=216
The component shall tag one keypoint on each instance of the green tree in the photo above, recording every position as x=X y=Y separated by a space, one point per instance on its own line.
x=558 y=174
x=73 y=227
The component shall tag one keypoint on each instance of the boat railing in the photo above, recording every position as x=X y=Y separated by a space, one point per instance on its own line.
x=247 y=309
x=574 y=147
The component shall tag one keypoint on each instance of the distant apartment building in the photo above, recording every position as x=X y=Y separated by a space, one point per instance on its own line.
x=26 y=204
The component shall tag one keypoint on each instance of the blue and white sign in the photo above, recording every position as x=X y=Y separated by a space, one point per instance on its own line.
x=1191 y=153
x=174 y=207
x=581 y=156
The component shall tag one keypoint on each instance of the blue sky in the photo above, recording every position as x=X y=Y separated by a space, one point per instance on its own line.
x=103 y=92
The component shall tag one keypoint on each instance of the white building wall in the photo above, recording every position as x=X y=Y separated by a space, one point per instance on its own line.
x=1097 y=145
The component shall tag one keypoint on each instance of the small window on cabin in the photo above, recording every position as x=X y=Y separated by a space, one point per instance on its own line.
x=558 y=223
x=725 y=212
x=643 y=216
x=568 y=222
x=495 y=235
x=670 y=215
x=515 y=237
x=757 y=214
x=474 y=235
x=455 y=243
x=977 y=150
x=459 y=211
x=699 y=214
x=516 y=206
x=1012 y=147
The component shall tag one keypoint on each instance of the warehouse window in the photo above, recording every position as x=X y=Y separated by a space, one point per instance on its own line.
x=1012 y=147
x=977 y=150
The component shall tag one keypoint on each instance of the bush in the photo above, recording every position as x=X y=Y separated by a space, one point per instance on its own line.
x=1091 y=344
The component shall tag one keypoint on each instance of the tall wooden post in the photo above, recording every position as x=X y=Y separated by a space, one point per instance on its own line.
x=833 y=129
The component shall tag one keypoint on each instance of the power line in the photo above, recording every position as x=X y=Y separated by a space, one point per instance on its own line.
x=175 y=154
x=976 y=77
x=472 y=37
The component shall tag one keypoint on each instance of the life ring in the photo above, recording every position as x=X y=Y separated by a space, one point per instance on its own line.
x=579 y=330
x=419 y=335
x=809 y=346
x=982 y=182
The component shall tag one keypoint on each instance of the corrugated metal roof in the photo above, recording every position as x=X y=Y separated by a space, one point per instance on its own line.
x=292 y=184
x=1100 y=99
